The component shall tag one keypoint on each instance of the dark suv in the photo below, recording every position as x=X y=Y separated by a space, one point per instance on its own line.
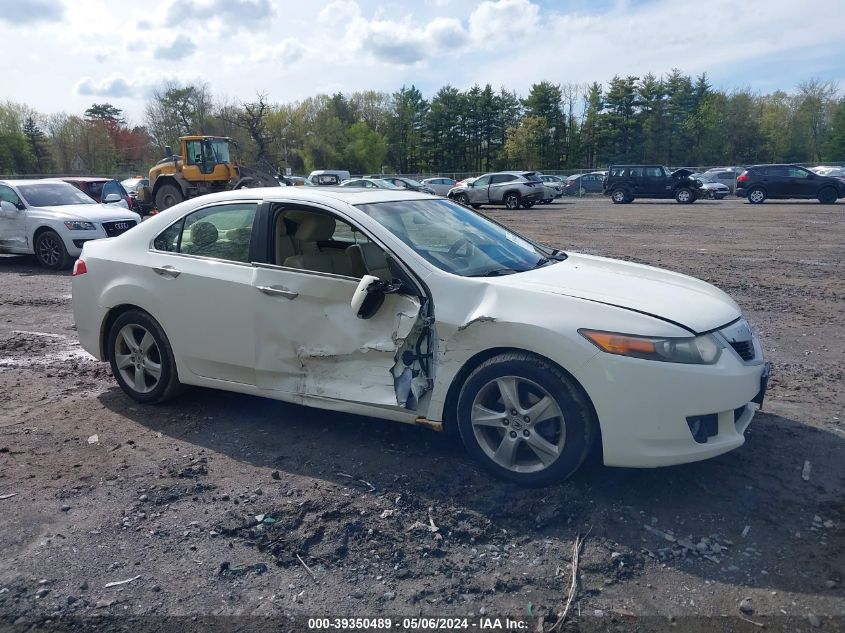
x=760 y=182
x=624 y=183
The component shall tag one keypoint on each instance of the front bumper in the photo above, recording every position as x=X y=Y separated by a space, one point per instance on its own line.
x=643 y=406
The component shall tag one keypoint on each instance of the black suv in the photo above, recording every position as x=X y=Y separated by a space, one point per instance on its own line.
x=623 y=183
x=787 y=181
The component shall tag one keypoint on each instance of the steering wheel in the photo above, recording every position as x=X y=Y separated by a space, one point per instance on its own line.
x=464 y=243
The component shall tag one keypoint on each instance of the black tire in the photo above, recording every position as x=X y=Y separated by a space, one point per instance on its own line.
x=828 y=195
x=512 y=201
x=619 y=196
x=168 y=196
x=50 y=251
x=167 y=385
x=527 y=205
x=684 y=195
x=577 y=423
x=461 y=198
x=475 y=206
x=756 y=195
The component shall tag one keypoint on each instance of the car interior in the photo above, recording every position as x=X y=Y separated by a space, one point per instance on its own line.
x=315 y=241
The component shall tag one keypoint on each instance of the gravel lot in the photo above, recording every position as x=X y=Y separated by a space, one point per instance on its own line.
x=396 y=520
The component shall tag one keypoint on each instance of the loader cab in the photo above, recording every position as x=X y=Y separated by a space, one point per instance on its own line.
x=205 y=158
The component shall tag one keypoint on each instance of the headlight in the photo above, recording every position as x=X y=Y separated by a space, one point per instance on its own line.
x=78 y=225
x=694 y=350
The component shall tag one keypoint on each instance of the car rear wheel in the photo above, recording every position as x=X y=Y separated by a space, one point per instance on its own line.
x=756 y=196
x=141 y=358
x=168 y=196
x=684 y=196
x=512 y=201
x=619 y=196
x=827 y=195
x=50 y=251
x=525 y=420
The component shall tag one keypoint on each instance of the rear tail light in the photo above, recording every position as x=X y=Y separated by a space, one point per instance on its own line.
x=79 y=268
x=742 y=177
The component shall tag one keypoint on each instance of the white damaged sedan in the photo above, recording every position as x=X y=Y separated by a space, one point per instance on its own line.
x=408 y=307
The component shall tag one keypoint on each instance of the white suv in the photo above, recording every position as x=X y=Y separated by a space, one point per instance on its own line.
x=52 y=220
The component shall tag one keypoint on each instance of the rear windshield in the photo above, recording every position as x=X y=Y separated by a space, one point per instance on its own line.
x=53 y=194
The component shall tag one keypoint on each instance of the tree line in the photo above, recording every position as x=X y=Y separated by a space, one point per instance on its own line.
x=674 y=119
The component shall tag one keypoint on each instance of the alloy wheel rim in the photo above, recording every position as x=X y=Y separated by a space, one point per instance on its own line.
x=48 y=251
x=518 y=424
x=618 y=196
x=138 y=358
x=512 y=202
x=683 y=196
x=756 y=196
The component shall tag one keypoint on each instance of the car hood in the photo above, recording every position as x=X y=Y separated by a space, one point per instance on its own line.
x=90 y=212
x=671 y=296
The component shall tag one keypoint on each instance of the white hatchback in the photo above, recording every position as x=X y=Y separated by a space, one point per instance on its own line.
x=53 y=219
x=413 y=308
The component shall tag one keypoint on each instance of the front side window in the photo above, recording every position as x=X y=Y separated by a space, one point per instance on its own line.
x=7 y=194
x=110 y=188
x=454 y=238
x=222 y=232
x=481 y=182
x=797 y=172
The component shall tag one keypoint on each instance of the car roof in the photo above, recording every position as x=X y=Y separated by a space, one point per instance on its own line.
x=350 y=195
x=81 y=179
x=30 y=181
x=774 y=165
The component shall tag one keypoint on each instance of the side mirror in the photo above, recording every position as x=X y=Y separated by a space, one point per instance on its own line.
x=369 y=295
x=7 y=209
x=112 y=197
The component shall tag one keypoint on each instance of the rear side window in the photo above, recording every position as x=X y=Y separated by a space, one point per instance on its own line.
x=221 y=232
x=635 y=172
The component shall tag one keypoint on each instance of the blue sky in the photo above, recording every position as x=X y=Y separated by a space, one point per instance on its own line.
x=71 y=53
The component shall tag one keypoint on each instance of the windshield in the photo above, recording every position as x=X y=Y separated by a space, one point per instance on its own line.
x=53 y=194
x=456 y=239
x=219 y=148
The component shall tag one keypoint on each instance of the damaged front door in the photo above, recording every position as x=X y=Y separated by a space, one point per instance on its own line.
x=311 y=343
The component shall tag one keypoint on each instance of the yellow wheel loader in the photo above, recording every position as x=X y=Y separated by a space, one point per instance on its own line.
x=202 y=166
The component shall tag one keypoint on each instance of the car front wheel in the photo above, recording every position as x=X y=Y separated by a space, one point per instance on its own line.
x=525 y=420
x=756 y=196
x=141 y=358
x=827 y=195
x=50 y=251
x=462 y=198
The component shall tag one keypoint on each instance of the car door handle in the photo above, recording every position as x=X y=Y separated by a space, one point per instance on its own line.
x=278 y=291
x=166 y=271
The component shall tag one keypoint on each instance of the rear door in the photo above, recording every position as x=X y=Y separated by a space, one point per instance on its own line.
x=200 y=269
x=498 y=184
x=308 y=340
x=775 y=180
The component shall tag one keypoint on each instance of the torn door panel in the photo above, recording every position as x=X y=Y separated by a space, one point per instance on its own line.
x=302 y=340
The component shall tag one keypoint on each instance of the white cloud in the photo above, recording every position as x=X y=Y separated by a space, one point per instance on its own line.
x=497 y=21
x=114 y=87
x=289 y=51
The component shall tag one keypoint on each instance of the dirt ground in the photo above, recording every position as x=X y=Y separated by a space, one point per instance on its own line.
x=365 y=518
